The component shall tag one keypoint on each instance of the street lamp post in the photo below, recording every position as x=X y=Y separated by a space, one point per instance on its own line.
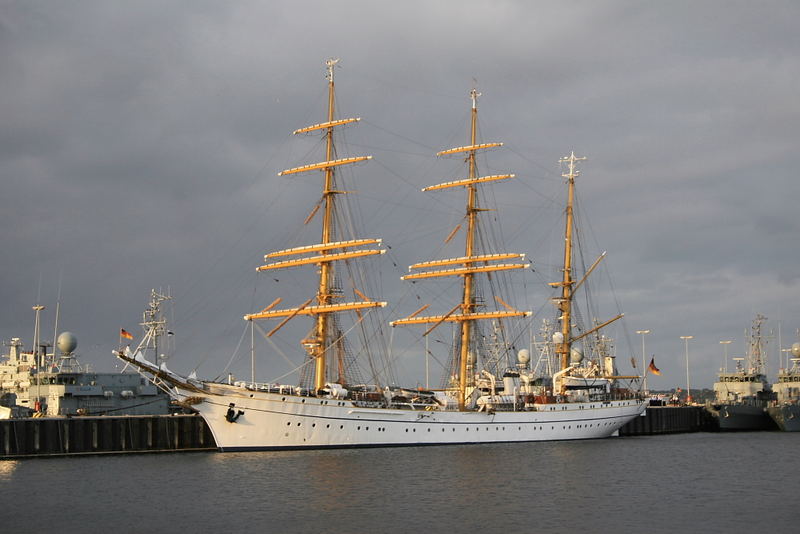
x=787 y=358
x=725 y=362
x=688 y=386
x=644 y=369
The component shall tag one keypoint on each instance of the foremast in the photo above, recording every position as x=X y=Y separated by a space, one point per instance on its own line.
x=468 y=265
x=323 y=254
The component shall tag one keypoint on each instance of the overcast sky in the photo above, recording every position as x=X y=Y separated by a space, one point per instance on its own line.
x=140 y=142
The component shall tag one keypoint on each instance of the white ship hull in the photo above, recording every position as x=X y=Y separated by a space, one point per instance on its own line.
x=275 y=421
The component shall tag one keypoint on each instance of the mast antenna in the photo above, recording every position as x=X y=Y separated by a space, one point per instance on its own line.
x=571 y=160
x=331 y=63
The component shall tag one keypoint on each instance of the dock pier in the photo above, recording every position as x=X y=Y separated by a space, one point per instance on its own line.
x=670 y=420
x=66 y=436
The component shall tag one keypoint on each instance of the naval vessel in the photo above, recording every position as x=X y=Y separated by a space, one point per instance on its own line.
x=785 y=411
x=742 y=396
x=49 y=381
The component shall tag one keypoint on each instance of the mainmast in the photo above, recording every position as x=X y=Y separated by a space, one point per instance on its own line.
x=755 y=356
x=468 y=300
x=470 y=263
x=327 y=251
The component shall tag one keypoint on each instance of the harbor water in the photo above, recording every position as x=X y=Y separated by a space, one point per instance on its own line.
x=701 y=482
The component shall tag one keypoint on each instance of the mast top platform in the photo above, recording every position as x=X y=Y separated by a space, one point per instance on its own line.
x=571 y=160
x=474 y=94
x=331 y=63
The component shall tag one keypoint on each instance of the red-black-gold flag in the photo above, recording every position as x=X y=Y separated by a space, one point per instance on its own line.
x=124 y=333
x=652 y=367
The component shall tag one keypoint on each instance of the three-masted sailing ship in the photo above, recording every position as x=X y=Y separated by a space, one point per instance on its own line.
x=580 y=400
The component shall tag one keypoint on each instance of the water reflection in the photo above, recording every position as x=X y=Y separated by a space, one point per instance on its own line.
x=7 y=468
x=527 y=487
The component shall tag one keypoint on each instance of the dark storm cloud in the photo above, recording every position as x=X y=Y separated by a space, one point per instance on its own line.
x=139 y=146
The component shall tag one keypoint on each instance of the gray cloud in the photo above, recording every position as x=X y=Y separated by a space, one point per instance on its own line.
x=139 y=146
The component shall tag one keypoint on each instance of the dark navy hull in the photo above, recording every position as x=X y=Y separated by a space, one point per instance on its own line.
x=786 y=416
x=737 y=416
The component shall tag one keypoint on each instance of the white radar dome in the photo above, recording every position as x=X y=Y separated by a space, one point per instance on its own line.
x=796 y=350
x=576 y=355
x=524 y=356
x=558 y=338
x=67 y=342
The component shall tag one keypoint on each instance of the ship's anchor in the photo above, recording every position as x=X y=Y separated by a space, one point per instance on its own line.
x=231 y=415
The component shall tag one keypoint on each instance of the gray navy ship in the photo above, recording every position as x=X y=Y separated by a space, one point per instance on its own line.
x=743 y=396
x=38 y=383
x=785 y=411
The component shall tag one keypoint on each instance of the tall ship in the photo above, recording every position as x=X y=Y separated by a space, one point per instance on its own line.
x=741 y=397
x=785 y=410
x=489 y=395
x=49 y=381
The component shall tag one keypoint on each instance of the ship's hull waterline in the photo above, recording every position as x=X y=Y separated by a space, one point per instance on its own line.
x=733 y=417
x=786 y=416
x=273 y=421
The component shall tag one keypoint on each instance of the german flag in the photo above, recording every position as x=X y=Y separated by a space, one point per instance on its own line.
x=124 y=333
x=652 y=367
